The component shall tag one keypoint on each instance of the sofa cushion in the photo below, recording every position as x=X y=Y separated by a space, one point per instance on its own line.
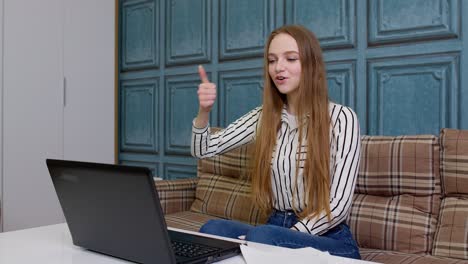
x=226 y=197
x=176 y=195
x=224 y=187
x=399 y=165
x=402 y=223
x=187 y=220
x=451 y=239
x=234 y=163
x=454 y=159
x=397 y=194
x=391 y=257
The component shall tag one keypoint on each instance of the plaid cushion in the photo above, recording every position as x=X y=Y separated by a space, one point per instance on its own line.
x=390 y=257
x=176 y=195
x=234 y=163
x=397 y=194
x=454 y=156
x=226 y=197
x=399 y=165
x=188 y=220
x=403 y=223
x=451 y=239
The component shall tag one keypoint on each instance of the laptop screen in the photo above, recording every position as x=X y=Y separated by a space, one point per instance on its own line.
x=112 y=209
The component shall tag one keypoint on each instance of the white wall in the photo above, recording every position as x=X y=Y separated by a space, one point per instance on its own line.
x=32 y=118
x=1 y=114
x=44 y=42
x=89 y=70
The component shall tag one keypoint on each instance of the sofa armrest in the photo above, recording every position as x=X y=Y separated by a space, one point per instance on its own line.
x=176 y=195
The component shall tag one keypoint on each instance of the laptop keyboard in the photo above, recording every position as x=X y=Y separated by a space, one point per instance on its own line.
x=190 y=250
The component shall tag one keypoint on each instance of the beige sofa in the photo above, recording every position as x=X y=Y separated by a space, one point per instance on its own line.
x=410 y=203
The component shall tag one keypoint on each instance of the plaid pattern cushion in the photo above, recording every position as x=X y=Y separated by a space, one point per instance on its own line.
x=397 y=196
x=176 y=195
x=403 y=223
x=226 y=197
x=224 y=187
x=234 y=163
x=390 y=257
x=454 y=154
x=451 y=239
x=399 y=165
x=188 y=220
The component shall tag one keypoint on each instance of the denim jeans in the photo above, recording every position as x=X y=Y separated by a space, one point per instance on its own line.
x=337 y=241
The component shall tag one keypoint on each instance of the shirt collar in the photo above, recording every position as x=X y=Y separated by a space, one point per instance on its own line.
x=290 y=119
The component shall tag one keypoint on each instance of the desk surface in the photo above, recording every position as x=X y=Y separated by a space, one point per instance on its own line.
x=52 y=244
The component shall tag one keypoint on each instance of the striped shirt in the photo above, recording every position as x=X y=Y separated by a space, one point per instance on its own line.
x=345 y=147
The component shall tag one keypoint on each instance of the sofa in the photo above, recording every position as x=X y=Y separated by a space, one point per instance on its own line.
x=410 y=203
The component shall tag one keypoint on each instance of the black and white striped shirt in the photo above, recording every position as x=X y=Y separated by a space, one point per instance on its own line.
x=344 y=160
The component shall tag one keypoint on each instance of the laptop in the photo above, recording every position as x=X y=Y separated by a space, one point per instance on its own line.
x=115 y=210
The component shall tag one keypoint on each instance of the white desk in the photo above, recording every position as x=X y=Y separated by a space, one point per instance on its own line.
x=53 y=245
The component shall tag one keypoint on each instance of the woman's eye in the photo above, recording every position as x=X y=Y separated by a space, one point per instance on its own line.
x=292 y=59
x=271 y=61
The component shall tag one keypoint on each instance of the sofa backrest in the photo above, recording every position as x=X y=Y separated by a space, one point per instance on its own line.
x=397 y=196
x=451 y=239
x=224 y=188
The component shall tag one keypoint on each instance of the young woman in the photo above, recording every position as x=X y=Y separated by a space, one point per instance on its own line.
x=310 y=145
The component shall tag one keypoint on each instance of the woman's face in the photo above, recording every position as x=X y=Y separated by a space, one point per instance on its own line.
x=284 y=65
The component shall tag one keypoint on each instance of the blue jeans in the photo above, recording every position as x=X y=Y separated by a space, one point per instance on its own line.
x=337 y=241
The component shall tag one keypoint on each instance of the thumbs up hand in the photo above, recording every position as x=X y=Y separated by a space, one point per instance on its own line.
x=206 y=92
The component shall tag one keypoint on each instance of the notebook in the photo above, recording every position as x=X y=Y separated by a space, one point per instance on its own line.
x=115 y=210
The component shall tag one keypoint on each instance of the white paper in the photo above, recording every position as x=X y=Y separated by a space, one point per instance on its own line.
x=255 y=253
x=264 y=254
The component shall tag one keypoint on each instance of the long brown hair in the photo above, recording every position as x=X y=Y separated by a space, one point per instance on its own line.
x=311 y=112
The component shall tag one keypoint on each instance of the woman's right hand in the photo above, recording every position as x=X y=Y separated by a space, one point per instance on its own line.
x=206 y=98
x=206 y=91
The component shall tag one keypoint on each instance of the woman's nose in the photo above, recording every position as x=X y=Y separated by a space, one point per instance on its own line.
x=279 y=67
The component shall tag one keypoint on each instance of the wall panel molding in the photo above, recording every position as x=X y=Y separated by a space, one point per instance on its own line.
x=240 y=91
x=138 y=118
x=341 y=82
x=333 y=21
x=181 y=107
x=402 y=21
x=413 y=95
x=244 y=27
x=188 y=31
x=140 y=34
x=397 y=63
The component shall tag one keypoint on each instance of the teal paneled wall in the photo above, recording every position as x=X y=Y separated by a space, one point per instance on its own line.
x=398 y=63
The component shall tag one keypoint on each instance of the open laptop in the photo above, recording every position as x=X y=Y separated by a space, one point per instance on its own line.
x=115 y=210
